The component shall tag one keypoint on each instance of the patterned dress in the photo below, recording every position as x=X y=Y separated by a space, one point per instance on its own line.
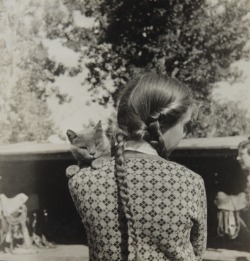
x=169 y=205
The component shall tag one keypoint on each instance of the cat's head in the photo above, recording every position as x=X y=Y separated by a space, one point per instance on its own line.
x=89 y=144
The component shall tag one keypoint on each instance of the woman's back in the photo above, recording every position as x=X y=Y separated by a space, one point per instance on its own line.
x=168 y=204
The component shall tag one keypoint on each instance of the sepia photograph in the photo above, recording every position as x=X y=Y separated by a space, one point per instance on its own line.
x=125 y=130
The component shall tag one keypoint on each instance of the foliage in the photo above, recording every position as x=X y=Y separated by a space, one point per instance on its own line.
x=27 y=118
x=23 y=76
x=190 y=40
x=193 y=41
x=216 y=119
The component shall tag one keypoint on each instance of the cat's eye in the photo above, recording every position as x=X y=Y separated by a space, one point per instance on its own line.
x=83 y=147
x=98 y=143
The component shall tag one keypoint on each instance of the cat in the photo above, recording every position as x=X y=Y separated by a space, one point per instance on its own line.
x=90 y=147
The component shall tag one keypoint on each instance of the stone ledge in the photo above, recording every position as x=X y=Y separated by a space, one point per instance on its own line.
x=80 y=253
x=225 y=255
x=60 y=253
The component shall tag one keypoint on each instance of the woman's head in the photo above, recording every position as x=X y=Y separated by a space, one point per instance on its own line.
x=244 y=154
x=152 y=105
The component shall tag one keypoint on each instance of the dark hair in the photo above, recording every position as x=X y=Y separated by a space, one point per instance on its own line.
x=149 y=105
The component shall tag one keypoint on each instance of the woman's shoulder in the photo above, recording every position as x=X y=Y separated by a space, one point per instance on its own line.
x=153 y=162
x=106 y=165
x=183 y=170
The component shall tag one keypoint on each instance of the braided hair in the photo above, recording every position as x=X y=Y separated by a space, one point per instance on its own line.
x=148 y=106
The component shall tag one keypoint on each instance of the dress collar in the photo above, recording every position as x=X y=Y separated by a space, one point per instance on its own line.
x=140 y=146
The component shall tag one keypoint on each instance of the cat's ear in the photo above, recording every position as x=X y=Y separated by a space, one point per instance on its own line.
x=71 y=135
x=98 y=126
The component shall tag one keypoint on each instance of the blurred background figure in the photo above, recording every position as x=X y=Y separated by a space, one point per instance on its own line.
x=244 y=156
x=244 y=160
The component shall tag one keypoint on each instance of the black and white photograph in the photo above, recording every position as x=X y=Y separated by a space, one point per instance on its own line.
x=125 y=130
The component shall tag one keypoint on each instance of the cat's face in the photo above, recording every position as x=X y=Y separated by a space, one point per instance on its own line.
x=89 y=144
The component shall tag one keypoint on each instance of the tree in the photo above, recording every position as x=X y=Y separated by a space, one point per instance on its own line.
x=190 y=40
x=27 y=118
x=193 y=41
x=24 y=77
x=217 y=119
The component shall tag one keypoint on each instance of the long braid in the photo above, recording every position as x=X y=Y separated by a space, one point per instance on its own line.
x=123 y=190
